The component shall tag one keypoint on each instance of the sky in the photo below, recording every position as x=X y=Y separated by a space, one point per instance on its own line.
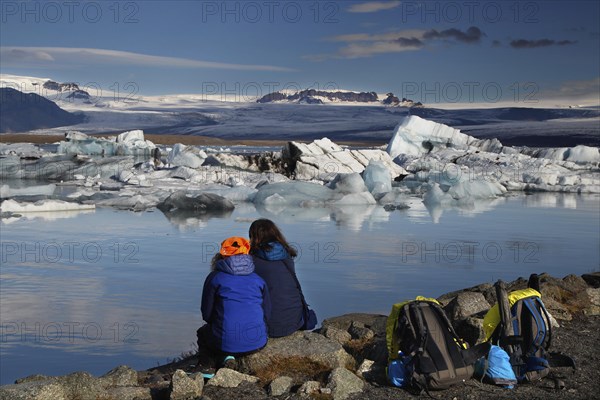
x=428 y=51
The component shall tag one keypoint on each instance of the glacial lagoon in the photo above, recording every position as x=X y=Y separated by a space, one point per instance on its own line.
x=95 y=289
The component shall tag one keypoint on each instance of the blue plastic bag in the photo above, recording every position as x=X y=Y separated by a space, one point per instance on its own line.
x=398 y=371
x=497 y=368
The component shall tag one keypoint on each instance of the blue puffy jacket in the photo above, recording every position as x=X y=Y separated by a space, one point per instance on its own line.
x=275 y=266
x=236 y=305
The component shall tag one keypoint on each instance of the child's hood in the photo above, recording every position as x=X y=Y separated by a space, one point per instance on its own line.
x=241 y=264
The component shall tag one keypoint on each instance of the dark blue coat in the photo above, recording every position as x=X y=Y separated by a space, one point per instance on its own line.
x=276 y=267
x=236 y=305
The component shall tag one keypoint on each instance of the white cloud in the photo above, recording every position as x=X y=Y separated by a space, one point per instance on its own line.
x=87 y=56
x=365 y=37
x=360 y=45
x=373 y=6
x=577 y=89
x=356 y=50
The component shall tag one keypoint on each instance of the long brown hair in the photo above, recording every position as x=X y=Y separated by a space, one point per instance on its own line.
x=264 y=231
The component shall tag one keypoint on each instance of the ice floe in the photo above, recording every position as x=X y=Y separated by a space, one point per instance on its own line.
x=426 y=162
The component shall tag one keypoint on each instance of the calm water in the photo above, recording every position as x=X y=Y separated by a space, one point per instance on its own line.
x=90 y=291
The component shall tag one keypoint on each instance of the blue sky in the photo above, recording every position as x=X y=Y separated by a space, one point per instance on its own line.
x=432 y=51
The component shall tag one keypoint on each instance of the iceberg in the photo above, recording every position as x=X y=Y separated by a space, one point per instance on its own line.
x=578 y=154
x=436 y=153
x=294 y=193
x=323 y=160
x=38 y=190
x=186 y=156
x=349 y=183
x=200 y=203
x=377 y=178
x=126 y=143
x=416 y=136
x=43 y=206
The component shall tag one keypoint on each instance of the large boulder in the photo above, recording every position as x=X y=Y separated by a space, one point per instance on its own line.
x=299 y=347
x=466 y=304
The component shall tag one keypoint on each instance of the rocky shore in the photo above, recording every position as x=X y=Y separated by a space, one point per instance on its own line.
x=346 y=358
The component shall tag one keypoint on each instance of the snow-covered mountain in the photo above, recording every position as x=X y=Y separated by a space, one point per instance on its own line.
x=343 y=118
x=22 y=112
x=313 y=96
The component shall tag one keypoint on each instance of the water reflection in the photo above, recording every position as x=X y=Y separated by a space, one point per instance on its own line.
x=142 y=302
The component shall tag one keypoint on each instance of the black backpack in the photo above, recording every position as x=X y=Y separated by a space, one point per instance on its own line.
x=525 y=332
x=432 y=355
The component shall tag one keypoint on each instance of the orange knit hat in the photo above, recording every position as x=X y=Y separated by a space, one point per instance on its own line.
x=234 y=245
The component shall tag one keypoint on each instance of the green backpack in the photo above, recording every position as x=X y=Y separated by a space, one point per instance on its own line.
x=425 y=353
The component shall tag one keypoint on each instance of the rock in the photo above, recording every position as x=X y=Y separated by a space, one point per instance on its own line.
x=343 y=383
x=202 y=203
x=556 y=309
x=336 y=334
x=33 y=378
x=280 y=385
x=34 y=390
x=184 y=387
x=466 y=304
x=120 y=376
x=309 y=388
x=375 y=322
x=129 y=393
x=78 y=385
x=365 y=368
x=470 y=330
x=310 y=346
x=358 y=330
x=375 y=349
x=484 y=288
x=594 y=305
x=82 y=386
x=592 y=279
x=229 y=378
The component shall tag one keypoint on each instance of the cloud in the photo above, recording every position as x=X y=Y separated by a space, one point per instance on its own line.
x=359 y=45
x=373 y=6
x=471 y=35
x=577 y=89
x=88 y=56
x=532 y=44
x=23 y=55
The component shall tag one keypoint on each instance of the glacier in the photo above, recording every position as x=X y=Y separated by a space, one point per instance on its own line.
x=424 y=161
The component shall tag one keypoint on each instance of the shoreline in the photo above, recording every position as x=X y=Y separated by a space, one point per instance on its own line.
x=573 y=300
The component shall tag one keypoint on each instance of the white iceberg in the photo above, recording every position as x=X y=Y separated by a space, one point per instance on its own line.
x=43 y=206
x=377 y=178
x=126 y=143
x=323 y=160
x=298 y=194
x=416 y=136
x=37 y=190
x=186 y=156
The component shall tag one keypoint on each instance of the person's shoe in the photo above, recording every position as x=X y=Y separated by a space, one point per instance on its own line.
x=230 y=362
